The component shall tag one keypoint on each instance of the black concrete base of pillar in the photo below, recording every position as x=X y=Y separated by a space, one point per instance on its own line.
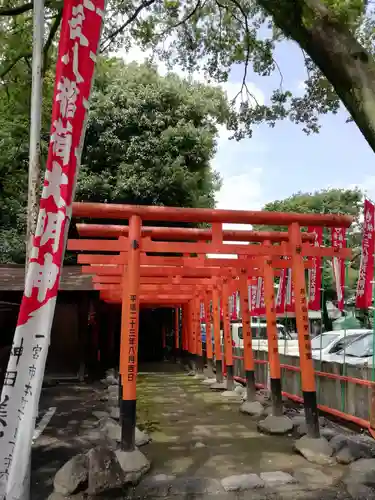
x=311 y=414
x=210 y=368
x=200 y=367
x=177 y=355
x=276 y=397
x=219 y=371
x=230 y=379
x=200 y=364
x=250 y=385
x=127 y=422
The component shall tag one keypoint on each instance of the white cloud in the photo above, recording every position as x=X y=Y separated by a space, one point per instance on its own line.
x=241 y=192
x=367 y=186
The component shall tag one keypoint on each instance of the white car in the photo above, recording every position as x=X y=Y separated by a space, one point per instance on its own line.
x=359 y=352
x=286 y=344
x=327 y=344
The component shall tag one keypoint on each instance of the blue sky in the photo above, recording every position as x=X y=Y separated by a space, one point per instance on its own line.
x=280 y=161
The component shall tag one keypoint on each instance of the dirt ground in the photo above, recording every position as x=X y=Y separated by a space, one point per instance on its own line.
x=196 y=434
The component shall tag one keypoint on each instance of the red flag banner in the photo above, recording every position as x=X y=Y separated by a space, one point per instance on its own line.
x=281 y=292
x=202 y=313
x=289 y=293
x=233 y=307
x=79 y=41
x=315 y=274
x=338 y=241
x=366 y=269
x=258 y=306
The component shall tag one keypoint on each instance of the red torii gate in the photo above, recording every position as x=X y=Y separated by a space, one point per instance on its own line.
x=112 y=283
x=293 y=248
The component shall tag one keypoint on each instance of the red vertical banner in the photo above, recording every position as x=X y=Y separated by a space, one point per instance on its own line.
x=289 y=293
x=281 y=292
x=233 y=307
x=366 y=269
x=315 y=274
x=258 y=306
x=338 y=265
x=77 y=52
x=202 y=313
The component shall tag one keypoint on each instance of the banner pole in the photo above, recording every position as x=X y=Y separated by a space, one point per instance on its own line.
x=78 y=45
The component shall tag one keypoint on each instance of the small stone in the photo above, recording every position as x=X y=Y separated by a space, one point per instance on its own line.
x=301 y=430
x=72 y=476
x=359 y=491
x=191 y=487
x=262 y=397
x=111 y=428
x=242 y=482
x=313 y=477
x=231 y=395
x=219 y=386
x=199 y=445
x=58 y=496
x=141 y=438
x=338 y=442
x=298 y=420
x=105 y=473
x=100 y=414
x=209 y=381
x=277 y=478
x=275 y=425
x=328 y=433
x=315 y=450
x=240 y=390
x=191 y=374
x=154 y=486
x=111 y=371
x=115 y=412
x=111 y=380
x=345 y=456
x=253 y=408
x=112 y=400
x=134 y=465
x=362 y=471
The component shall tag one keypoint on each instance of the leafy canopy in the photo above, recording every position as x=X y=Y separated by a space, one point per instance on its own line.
x=215 y=36
x=149 y=140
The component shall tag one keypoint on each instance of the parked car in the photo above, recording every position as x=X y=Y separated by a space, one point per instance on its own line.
x=359 y=352
x=329 y=343
x=286 y=344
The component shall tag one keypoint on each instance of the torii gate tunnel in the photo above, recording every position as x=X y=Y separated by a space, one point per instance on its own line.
x=127 y=269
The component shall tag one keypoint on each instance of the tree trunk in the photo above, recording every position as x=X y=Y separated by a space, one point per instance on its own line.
x=343 y=61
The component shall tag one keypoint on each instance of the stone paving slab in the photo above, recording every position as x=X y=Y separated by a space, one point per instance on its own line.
x=271 y=485
x=198 y=441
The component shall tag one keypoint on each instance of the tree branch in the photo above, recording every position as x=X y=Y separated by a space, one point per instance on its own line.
x=183 y=20
x=51 y=36
x=106 y=43
x=16 y=11
x=11 y=65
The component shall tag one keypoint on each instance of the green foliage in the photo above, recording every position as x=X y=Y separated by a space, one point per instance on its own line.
x=149 y=141
x=329 y=201
x=213 y=36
